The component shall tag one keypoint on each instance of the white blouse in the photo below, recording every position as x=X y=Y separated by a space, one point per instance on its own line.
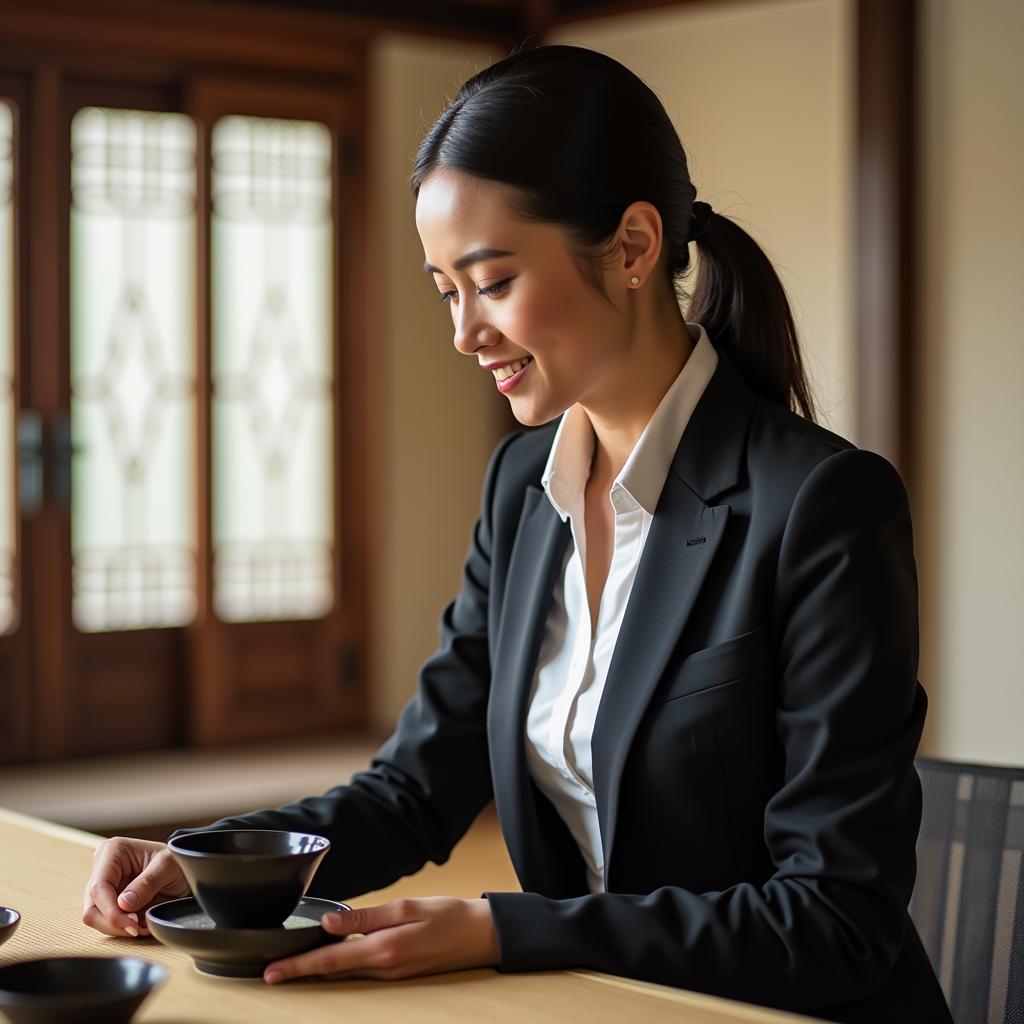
x=571 y=671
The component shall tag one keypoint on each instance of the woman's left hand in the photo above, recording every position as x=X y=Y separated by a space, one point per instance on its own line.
x=400 y=939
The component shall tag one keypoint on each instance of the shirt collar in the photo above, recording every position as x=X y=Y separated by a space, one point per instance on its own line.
x=642 y=478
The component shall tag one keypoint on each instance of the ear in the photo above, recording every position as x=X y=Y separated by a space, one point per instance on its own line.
x=639 y=241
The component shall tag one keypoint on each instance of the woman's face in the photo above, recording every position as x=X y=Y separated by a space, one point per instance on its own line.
x=518 y=299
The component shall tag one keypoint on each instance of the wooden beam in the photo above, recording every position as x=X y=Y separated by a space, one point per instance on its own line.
x=489 y=19
x=566 y=11
x=884 y=322
x=48 y=548
x=167 y=34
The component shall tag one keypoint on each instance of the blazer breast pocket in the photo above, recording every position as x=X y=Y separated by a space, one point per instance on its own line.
x=720 y=663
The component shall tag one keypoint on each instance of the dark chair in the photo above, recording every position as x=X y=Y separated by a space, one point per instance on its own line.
x=968 y=903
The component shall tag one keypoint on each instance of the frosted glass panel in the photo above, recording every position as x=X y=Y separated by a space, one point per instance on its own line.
x=133 y=369
x=272 y=369
x=8 y=610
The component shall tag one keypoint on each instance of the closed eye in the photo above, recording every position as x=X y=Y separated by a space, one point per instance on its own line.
x=495 y=289
x=490 y=291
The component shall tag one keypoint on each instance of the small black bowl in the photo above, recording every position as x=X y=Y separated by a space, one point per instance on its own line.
x=9 y=921
x=239 y=952
x=83 y=989
x=248 y=878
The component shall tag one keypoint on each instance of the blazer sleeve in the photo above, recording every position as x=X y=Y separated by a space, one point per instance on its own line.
x=429 y=781
x=829 y=923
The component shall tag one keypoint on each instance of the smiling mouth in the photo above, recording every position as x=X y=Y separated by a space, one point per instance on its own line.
x=504 y=372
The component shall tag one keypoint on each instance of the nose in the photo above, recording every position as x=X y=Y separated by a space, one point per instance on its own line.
x=472 y=331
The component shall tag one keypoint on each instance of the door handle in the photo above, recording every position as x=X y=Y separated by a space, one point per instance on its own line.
x=62 y=451
x=31 y=463
x=44 y=462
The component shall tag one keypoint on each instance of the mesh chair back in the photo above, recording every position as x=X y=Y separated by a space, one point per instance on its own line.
x=968 y=902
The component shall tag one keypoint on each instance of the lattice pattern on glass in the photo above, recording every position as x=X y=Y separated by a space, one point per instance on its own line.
x=271 y=238
x=8 y=531
x=133 y=369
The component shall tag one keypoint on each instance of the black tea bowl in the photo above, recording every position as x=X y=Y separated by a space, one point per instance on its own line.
x=83 y=989
x=248 y=878
x=9 y=920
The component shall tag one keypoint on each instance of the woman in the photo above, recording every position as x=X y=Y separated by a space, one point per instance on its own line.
x=683 y=657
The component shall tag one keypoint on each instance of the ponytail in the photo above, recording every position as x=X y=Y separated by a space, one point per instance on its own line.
x=740 y=301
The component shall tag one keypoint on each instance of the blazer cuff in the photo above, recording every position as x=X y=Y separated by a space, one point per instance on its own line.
x=522 y=945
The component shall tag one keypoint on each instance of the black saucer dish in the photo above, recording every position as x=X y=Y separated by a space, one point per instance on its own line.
x=239 y=952
x=248 y=878
x=83 y=989
x=9 y=920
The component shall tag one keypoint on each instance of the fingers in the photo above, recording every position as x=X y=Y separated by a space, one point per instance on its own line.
x=95 y=918
x=372 y=956
x=113 y=908
x=100 y=909
x=400 y=939
x=159 y=875
x=366 y=920
x=377 y=955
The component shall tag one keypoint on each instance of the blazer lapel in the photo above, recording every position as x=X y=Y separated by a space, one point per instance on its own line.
x=538 y=554
x=685 y=535
x=680 y=547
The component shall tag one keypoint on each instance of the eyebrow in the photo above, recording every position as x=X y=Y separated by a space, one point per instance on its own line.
x=476 y=256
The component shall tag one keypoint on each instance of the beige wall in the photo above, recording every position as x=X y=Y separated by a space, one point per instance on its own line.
x=969 y=504
x=761 y=95
x=438 y=414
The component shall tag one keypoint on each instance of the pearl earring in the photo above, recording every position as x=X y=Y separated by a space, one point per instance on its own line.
x=634 y=281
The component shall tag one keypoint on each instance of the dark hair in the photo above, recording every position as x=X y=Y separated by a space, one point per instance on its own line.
x=578 y=137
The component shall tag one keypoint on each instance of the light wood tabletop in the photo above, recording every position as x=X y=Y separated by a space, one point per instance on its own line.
x=43 y=869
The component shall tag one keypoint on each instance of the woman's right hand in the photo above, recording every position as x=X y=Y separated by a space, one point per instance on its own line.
x=128 y=877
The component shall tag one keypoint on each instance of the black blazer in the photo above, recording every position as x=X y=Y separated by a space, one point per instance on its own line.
x=753 y=751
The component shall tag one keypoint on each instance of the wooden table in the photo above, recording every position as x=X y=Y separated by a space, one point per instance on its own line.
x=43 y=869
